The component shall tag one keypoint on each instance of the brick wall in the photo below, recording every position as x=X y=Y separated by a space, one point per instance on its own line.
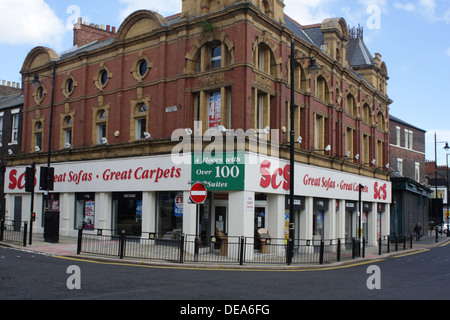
x=84 y=34
x=409 y=156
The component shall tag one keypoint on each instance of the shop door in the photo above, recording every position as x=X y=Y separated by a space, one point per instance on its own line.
x=17 y=213
x=127 y=211
x=318 y=225
x=365 y=228
x=260 y=222
x=220 y=223
x=348 y=224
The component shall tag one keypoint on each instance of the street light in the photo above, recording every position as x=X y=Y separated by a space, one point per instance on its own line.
x=313 y=68
x=448 y=211
x=446 y=148
x=36 y=83
x=48 y=172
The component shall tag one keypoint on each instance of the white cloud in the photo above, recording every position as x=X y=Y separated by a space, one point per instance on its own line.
x=165 y=8
x=428 y=9
x=30 y=22
x=308 y=11
x=448 y=52
x=409 y=7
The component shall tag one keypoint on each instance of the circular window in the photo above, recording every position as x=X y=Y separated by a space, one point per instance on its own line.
x=103 y=77
x=40 y=93
x=69 y=85
x=142 y=67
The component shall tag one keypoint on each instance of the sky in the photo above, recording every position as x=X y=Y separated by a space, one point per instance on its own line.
x=413 y=37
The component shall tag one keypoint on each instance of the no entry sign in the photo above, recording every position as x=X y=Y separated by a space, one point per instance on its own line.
x=198 y=193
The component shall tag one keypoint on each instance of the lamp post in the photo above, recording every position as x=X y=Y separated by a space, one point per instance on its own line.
x=48 y=172
x=313 y=68
x=36 y=82
x=446 y=148
x=448 y=211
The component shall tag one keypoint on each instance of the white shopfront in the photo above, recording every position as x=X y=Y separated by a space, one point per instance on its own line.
x=326 y=201
x=151 y=194
x=125 y=193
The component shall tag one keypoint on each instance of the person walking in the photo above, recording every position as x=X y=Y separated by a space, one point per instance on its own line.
x=417 y=230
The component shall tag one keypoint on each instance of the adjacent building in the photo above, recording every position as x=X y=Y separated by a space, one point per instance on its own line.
x=410 y=193
x=204 y=95
x=11 y=103
x=438 y=181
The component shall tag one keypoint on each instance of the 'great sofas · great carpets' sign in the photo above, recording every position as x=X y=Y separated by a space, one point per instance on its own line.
x=134 y=174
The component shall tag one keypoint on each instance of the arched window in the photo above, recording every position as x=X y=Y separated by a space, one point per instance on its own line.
x=366 y=114
x=67 y=130
x=301 y=81
x=140 y=117
x=266 y=60
x=351 y=106
x=38 y=136
x=101 y=127
x=322 y=91
x=380 y=121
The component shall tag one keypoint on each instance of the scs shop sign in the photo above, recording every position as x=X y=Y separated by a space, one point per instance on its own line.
x=380 y=192
x=280 y=178
x=317 y=182
x=17 y=180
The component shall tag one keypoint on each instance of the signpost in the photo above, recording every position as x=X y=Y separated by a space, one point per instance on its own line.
x=198 y=193
x=198 y=196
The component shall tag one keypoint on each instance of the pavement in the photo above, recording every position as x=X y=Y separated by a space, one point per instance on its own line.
x=67 y=247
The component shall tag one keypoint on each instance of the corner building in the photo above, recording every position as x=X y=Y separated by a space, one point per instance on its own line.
x=120 y=96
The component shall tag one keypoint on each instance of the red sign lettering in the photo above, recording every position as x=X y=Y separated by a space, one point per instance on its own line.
x=280 y=177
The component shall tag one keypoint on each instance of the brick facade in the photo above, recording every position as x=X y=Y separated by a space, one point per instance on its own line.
x=173 y=46
x=410 y=155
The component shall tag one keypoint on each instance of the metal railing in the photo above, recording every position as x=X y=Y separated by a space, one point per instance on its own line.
x=14 y=231
x=225 y=250
x=387 y=244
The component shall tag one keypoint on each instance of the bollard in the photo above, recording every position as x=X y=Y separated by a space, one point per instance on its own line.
x=353 y=248
x=437 y=236
x=363 y=247
x=25 y=231
x=122 y=244
x=339 y=250
x=322 y=249
x=241 y=251
x=2 y=228
x=182 y=248
x=80 y=236
x=379 y=246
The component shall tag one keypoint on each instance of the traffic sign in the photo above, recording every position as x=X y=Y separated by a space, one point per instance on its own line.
x=198 y=193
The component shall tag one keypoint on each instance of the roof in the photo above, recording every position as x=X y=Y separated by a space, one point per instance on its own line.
x=400 y=121
x=358 y=54
x=11 y=101
x=298 y=30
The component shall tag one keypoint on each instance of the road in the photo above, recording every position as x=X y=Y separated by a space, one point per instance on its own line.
x=28 y=276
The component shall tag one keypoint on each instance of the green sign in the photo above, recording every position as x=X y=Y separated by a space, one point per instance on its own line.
x=225 y=171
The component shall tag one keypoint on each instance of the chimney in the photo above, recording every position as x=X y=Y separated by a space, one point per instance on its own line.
x=84 y=33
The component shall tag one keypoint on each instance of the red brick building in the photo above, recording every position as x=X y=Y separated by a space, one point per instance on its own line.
x=222 y=63
x=410 y=191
